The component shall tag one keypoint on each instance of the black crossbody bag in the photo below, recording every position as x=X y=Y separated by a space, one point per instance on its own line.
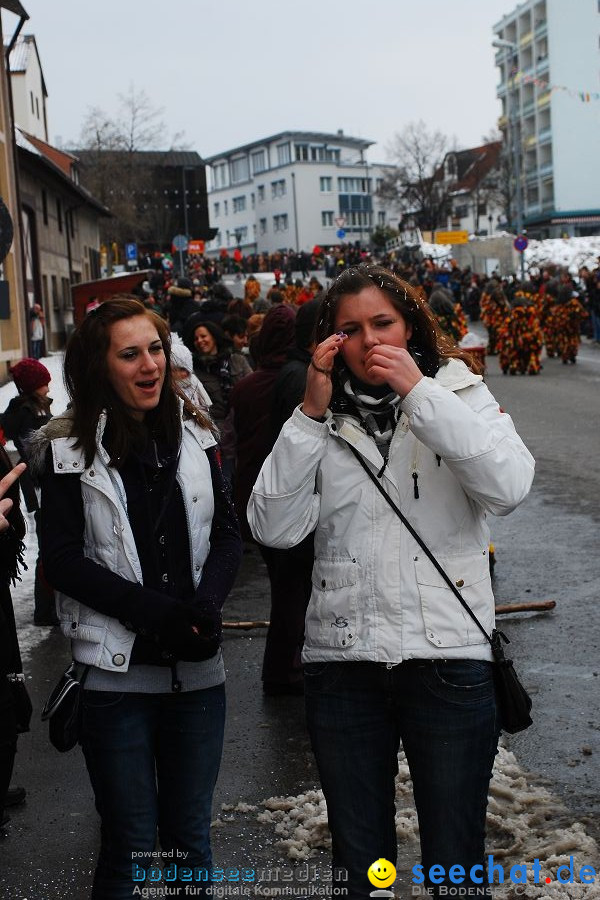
x=514 y=703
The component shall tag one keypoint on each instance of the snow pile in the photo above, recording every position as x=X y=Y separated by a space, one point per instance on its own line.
x=570 y=252
x=438 y=252
x=525 y=822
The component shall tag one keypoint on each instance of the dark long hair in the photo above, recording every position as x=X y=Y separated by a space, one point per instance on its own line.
x=428 y=344
x=90 y=391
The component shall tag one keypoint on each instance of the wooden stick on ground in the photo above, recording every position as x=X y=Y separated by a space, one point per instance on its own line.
x=539 y=606
x=501 y=609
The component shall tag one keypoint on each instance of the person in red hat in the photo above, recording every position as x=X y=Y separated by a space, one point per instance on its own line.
x=25 y=414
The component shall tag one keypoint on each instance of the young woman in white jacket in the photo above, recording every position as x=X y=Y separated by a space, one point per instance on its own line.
x=390 y=655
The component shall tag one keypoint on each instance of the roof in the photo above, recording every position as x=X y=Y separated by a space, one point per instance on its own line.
x=316 y=137
x=15 y=7
x=473 y=164
x=21 y=53
x=40 y=151
x=154 y=158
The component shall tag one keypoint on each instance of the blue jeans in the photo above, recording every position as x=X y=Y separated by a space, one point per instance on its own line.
x=153 y=761
x=444 y=712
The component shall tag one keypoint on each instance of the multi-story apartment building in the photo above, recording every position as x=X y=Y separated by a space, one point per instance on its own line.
x=549 y=60
x=294 y=190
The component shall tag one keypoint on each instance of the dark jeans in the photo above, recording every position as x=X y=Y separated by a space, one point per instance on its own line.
x=153 y=761
x=444 y=713
x=8 y=738
x=290 y=574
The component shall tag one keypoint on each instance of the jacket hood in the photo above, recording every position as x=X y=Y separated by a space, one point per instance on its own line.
x=276 y=337
x=58 y=427
x=454 y=375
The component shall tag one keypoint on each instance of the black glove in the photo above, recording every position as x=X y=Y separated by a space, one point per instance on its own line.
x=189 y=635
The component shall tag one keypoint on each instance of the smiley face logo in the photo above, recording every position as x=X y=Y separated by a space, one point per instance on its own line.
x=381 y=873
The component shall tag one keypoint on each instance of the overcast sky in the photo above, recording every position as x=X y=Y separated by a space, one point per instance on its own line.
x=229 y=73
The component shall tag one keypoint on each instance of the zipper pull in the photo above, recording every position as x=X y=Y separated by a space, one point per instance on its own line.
x=439 y=460
x=415 y=476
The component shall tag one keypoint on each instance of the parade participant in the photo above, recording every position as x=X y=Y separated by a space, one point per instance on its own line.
x=494 y=310
x=520 y=337
x=569 y=315
x=139 y=537
x=389 y=654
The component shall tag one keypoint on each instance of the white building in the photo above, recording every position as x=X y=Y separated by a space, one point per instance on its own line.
x=294 y=190
x=29 y=92
x=549 y=67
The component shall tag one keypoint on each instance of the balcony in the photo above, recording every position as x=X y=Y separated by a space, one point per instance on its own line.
x=546 y=170
x=544 y=99
x=542 y=64
x=530 y=140
x=526 y=39
x=528 y=108
x=545 y=136
x=532 y=208
x=531 y=174
x=541 y=28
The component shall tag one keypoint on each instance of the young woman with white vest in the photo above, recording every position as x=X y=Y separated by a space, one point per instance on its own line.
x=141 y=542
x=389 y=654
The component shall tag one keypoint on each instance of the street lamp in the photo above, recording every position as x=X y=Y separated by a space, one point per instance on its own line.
x=511 y=115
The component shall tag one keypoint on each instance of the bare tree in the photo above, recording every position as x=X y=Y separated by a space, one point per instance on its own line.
x=113 y=170
x=415 y=187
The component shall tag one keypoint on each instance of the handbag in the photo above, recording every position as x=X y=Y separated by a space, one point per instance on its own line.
x=513 y=701
x=21 y=699
x=62 y=708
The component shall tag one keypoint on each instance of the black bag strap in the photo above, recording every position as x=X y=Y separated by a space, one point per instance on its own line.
x=494 y=640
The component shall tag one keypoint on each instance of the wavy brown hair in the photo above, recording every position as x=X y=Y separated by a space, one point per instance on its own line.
x=428 y=344
x=90 y=391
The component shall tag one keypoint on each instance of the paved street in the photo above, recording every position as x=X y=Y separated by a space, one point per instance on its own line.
x=548 y=549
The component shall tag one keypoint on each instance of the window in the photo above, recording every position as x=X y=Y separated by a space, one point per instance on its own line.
x=225 y=207
x=217 y=207
x=482 y=209
x=220 y=179
x=37 y=107
x=280 y=223
x=253 y=200
x=260 y=190
x=357 y=219
x=259 y=161
x=239 y=170
x=461 y=212
x=262 y=225
x=45 y=290
x=381 y=218
x=45 y=207
x=354 y=185
x=326 y=183
x=70 y=217
x=301 y=152
x=239 y=204
x=327 y=218
x=283 y=154
x=278 y=188
x=66 y=293
x=54 y=282
x=32 y=101
x=59 y=214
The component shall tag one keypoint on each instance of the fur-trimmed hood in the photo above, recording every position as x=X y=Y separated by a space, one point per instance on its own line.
x=37 y=445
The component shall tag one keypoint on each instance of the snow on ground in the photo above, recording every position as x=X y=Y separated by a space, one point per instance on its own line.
x=29 y=634
x=524 y=822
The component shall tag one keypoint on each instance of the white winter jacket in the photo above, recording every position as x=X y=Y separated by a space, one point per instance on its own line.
x=375 y=594
x=100 y=640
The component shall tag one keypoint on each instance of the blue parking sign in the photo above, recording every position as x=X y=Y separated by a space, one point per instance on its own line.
x=131 y=253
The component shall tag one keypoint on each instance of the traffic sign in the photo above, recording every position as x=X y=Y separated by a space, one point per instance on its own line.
x=131 y=253
x=341 y=233
x=180 y=242
x=196 y=247
x=340 y=221
x=520 y=243
x=451 y=237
